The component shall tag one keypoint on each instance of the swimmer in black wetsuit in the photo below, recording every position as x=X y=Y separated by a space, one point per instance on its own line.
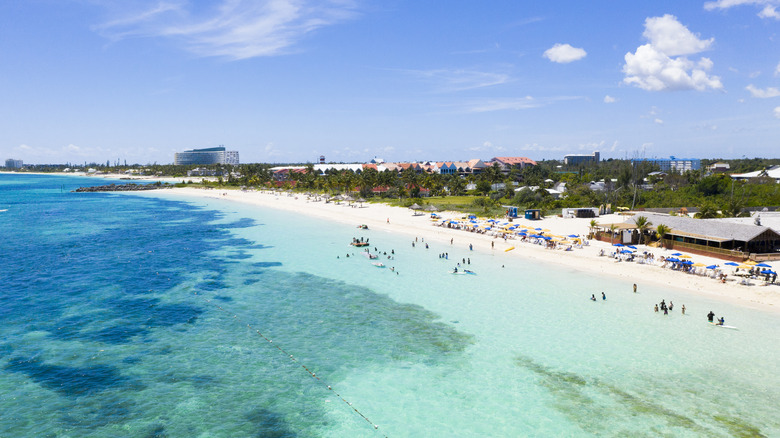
x=710 y=316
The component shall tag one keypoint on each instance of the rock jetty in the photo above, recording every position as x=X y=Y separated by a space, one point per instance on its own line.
x=132 y=187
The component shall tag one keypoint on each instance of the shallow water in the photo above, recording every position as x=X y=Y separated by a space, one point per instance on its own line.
x=128 y=315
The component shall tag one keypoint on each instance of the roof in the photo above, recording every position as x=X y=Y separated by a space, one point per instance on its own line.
x=714 y=230
x=772 y=172
x=515 y=160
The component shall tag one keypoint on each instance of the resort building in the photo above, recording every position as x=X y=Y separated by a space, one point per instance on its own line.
x=575 y=159
x=217 y=155
x=672 y=164
x=508 y=163
x=13 y=164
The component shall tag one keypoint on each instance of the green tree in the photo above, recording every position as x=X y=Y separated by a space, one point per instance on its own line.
x=662 y=231
x=642 y=224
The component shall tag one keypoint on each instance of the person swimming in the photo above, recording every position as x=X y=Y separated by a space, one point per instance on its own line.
x=710 y=316
x=593 y=297
x=721 y=321
x=603 y=296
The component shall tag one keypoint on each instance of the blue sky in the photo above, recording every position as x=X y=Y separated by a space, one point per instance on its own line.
x=287 y=80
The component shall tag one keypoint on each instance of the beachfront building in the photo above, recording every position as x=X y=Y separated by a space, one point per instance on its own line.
x=717 y=237
x=217 y=155
x=508 y=163
x=13 y=164
x=672 y=164
x=772 y=173
x=575 y=159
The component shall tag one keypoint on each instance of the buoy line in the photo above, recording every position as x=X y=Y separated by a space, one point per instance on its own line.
x=292 y=358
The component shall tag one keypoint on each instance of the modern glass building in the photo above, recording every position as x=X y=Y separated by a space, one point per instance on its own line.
x=216 y=155
x=14 y=164
x=574 y=159
x=673 y=164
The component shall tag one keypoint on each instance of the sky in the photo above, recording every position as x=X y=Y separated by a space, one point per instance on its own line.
x=290 y=80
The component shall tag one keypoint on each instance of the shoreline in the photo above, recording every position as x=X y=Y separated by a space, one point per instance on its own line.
x=401 y=221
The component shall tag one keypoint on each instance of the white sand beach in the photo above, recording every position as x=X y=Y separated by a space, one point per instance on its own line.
x=404 y=222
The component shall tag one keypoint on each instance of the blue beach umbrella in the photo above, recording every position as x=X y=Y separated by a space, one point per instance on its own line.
x=731 y=264
x=617 y=244
x=686 y=262
x=538 y=229
x=672 y=259
x=712 y=266
x=625 y=251
x=763 y=265
x=573 y=235
x=677 y=254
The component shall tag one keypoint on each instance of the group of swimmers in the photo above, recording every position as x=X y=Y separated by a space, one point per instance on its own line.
x=603 y=297
x=666 y=309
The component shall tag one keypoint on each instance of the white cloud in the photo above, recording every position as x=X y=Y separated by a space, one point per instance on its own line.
x=768 y=10
x=609 y=99
x=564 y=53
x=777 y=112
x=459 y=79
x=658 y=65
x=777 y=69
x=670 y=37
x=763 y=94
x=503 y=104
x=658 y=121
x=235 y=29
x=487 y=146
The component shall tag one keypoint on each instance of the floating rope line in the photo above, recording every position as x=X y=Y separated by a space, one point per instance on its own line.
x=292 y=358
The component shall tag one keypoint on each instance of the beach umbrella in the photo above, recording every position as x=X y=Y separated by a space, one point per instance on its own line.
x=431 y=208
x=617 y=244
x=763 y=265
x=699 y=264
x=625 y=251
x=538 y=229
x=573 y=235
x=685 y=256
x=712 y=266
x=731 y=264
x=749 y=262
x=677 y=254
x=631 y=246
x=415 y=206
x=686 y=262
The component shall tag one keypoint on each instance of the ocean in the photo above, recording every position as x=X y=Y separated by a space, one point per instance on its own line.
x=151 y=315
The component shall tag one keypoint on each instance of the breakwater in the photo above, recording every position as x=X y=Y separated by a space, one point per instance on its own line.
x=124 y=187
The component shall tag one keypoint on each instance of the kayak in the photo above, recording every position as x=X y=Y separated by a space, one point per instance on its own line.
x=509 y=249
x=724 y=326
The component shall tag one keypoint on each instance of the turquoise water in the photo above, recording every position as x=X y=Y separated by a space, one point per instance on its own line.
x=133 y=315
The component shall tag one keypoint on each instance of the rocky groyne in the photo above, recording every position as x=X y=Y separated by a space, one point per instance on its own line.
x=132 y=187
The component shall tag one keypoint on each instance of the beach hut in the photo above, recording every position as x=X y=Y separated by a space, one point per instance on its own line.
x=533 y=214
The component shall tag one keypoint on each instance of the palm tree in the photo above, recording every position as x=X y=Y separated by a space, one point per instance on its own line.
x=612 y=228
x=706 y=211
x=733 y=209
x=662 y=231
x=642 y=224
x=593 y=224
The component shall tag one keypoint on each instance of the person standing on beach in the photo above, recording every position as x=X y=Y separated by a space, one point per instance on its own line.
x=471 y=247
x=634 y=287
x=683 y=309
x=603 y=296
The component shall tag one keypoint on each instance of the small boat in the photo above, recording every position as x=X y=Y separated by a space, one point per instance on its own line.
x=378 y=264
x=359 y=244
x=724 y=326
x=363 y=226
